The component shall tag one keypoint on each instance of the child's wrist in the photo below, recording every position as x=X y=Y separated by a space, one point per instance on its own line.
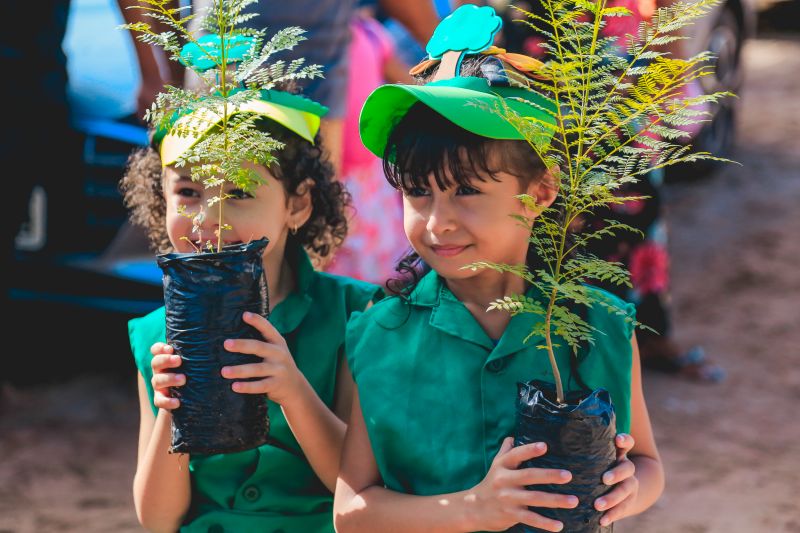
x=299 y=396
x=469 y=513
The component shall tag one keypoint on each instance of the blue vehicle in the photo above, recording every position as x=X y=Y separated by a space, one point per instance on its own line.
x=89 y=284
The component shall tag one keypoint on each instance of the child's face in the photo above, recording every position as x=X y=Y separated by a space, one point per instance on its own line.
x=462 y=225
x=264 y=214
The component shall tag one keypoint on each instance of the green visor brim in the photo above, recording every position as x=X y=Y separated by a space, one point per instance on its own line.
x=303 y=123
x=468 y=102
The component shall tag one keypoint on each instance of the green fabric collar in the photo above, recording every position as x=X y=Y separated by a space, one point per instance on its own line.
x=449 y=315
x=288 y=314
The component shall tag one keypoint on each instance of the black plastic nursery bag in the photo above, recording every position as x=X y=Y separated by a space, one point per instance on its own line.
x=580 y=438
x=205 y=295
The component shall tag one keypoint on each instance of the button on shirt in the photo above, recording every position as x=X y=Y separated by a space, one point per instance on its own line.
x=438 y=395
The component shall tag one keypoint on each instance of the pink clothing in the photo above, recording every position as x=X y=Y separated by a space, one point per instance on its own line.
x=370 y=48
x=376 y=239
x=649 y=267
x=621 y=27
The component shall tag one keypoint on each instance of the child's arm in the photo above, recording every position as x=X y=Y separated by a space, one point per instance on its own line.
x=418 y=16
x=395 y=70
x=495 y=504
x=154 y=63
x=639 y=474
x=319 y=431
x=161 y=486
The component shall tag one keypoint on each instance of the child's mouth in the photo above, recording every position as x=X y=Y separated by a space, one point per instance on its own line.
x=448 y=251
x=213 y=241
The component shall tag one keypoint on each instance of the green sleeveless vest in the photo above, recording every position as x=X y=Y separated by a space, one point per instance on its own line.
x=438 y=396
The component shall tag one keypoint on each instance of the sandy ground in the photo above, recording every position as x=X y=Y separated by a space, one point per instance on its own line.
x=732 y=451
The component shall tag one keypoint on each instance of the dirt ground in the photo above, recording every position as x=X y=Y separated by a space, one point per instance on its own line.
x=732 y=451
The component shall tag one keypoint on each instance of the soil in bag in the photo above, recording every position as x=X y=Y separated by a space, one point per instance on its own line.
x=580 y=438
x=205 y=295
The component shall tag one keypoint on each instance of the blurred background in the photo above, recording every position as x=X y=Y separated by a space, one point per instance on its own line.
x=77 y=273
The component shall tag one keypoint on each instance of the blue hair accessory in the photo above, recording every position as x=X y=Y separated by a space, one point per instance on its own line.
x=467 y=30
x=206 y=53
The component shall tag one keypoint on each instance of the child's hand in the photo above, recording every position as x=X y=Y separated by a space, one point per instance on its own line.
x=163 y=360
x=281 y=378
x=502 y=500
x=622 y=497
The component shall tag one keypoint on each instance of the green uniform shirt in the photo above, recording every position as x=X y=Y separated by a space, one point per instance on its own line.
x=272 y=488
x=438 y=396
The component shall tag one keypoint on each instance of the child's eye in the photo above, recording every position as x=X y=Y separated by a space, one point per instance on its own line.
x=239 y=194
x=188 y=192
x=465 y=190
x=415 y=192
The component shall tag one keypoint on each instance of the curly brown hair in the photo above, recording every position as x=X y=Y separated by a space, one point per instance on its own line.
x=322 y=234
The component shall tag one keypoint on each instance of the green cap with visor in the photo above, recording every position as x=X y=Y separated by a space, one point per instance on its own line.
x=475 y=104
x=297 y=113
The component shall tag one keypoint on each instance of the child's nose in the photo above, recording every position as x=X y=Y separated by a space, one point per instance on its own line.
x=212 y=214
x=441 y=217
x=208 y=221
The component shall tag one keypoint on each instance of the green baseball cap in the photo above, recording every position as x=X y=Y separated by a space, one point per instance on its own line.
x=469 y=102
x=476 y=104
x=295 y=112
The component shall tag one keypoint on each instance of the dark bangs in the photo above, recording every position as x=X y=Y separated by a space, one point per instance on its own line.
x=425 y=144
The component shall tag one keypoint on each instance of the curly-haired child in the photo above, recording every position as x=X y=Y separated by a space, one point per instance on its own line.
x=286 y=484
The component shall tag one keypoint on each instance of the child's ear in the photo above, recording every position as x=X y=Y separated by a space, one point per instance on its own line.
x=545 y=189
x=300 y=204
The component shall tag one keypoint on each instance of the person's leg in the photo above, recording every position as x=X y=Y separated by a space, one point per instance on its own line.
x=648 y=261
x=645 y=255
x=660 y=352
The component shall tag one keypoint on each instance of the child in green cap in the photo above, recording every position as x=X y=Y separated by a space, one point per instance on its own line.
x=428 y=445
x=284 y=485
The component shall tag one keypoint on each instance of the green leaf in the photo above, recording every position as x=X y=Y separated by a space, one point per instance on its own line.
x=617 y=118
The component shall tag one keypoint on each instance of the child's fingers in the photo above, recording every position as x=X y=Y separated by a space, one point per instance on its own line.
x=167 y=379
x=261 y=386
x=539 y=476
x=254 y=347
x=506 y=446
x=529 y=518
x=624 y=444
x=620 y=511
x=163 y=401
x=515 y=457
x=537 y=498
x=623 y=470
x=159 y=348
x=165 y=361
x=252 y=370
x=622 y=491
x=264 y=327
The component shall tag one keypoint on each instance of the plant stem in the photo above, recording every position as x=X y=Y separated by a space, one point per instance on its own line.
x=223 y=70
x=550 y=353
x=551 y=304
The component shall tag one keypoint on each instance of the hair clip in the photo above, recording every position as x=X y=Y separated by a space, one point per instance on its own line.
x=470 y=30
x=495 y=72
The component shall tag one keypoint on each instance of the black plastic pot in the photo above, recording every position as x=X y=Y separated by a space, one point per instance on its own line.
x=205 y=295
x=580 y=438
